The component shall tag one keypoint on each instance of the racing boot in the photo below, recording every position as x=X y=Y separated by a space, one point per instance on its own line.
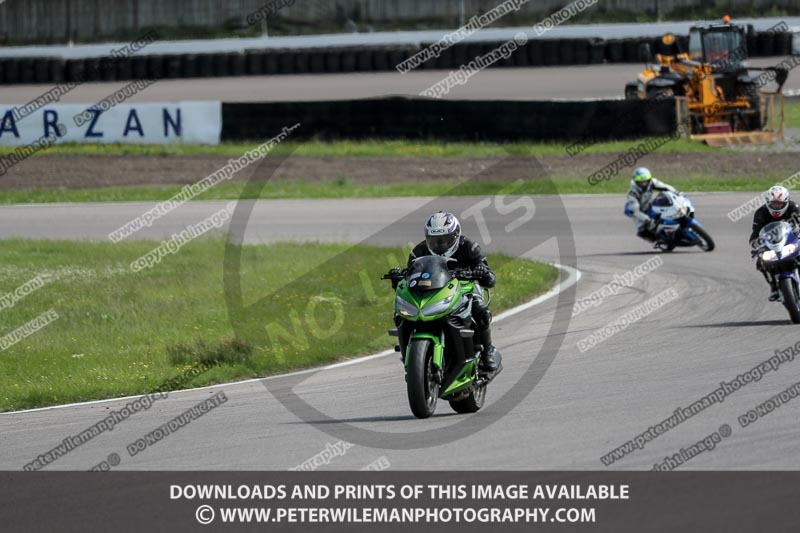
x=491 y=360
x=774 y=296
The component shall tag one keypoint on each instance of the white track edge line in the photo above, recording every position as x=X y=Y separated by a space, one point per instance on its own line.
x=573 y=275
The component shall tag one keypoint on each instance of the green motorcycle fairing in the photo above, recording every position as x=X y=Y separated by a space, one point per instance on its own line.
x=416 y=307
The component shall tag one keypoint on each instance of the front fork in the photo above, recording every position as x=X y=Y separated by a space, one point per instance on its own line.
x=789 y=274
x=438 y=350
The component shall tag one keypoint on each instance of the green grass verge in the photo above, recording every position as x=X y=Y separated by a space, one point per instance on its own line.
x=791 y=116
x=123 y=333
x=361 y=148
x=342 y=189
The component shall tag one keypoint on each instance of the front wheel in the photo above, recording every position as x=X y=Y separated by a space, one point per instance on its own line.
x=704 y=240
x=789 y=297
x=472 y=403
x=423 y=390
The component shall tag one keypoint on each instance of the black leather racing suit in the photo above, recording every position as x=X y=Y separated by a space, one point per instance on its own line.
x=761 y=218
x=469 y=255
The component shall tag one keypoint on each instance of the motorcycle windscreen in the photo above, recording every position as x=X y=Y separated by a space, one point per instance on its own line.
x=774 y=235
x=429 y=272
x=662 y=200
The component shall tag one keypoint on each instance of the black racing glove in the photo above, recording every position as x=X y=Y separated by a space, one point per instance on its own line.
x=480 y=272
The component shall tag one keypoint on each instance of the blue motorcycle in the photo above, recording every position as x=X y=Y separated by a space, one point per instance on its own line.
x=676 y=225
x=778 y=254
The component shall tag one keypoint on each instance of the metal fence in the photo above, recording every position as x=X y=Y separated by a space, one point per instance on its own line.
x=60 y=21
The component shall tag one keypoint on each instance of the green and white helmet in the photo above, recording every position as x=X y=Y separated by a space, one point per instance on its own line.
x=642 y=177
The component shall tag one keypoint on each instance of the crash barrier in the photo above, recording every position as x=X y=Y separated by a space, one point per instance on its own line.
x=474 y=120
x=536 y=52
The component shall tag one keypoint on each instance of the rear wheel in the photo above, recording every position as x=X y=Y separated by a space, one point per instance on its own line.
x=790 y=299
x=704 y=240
x=471 y=403
x=423 y=390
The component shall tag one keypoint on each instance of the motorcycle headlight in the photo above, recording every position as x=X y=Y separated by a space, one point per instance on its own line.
x=769 y=255
x=789 y=249
x=438 y=307
x=405 y=308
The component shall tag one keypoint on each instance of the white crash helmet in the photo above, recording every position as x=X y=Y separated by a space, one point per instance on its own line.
x=442 y=234
x=777 y=200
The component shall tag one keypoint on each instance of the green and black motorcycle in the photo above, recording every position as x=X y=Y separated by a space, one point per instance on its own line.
x=433 y=315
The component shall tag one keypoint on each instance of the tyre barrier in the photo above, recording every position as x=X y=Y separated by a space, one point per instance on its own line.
x=220 y=65
x=520 y=57
x=316 y=61
x=614 y=51
x=172 y=66
x=256 y=62
x=446 y=60
x=347 y=60
x=364 y=60
x=597 y=51
x=155 y=67
x=270 y=62
x=581 y=50
x=56 y=68
x=473 y=50
x=188 y=68
x=236 y=63
x=91 y=69
x=301 y=61
x=205 y=65
x=26 y=74
x=552 y=51
x=424 y=118
x=41 y=71
x=783 y=44
x=535 y=52
x=333 y=61
x=285 y=62
x=766 y=44
x=752 y=44
x=139 y=67
x=488 y=48
x=75 y=68
x=460 y=56
x=567 y=52
x=630 y=50
x=108 y=69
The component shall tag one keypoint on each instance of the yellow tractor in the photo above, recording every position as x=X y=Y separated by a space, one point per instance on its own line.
x=717 y=99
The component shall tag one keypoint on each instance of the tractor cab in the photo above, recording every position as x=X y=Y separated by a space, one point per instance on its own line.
x=722 y=46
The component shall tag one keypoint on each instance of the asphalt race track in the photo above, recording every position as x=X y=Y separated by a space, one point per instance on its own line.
x=585 y=405
x=537 y=83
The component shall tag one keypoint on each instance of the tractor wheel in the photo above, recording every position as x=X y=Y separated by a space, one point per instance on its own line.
x=631 y=91
x=661 y=93
x=752 y=94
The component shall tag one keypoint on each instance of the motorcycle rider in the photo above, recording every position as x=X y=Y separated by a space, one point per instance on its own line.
x=644 y=187
x=443 y=237
x=777 y=207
